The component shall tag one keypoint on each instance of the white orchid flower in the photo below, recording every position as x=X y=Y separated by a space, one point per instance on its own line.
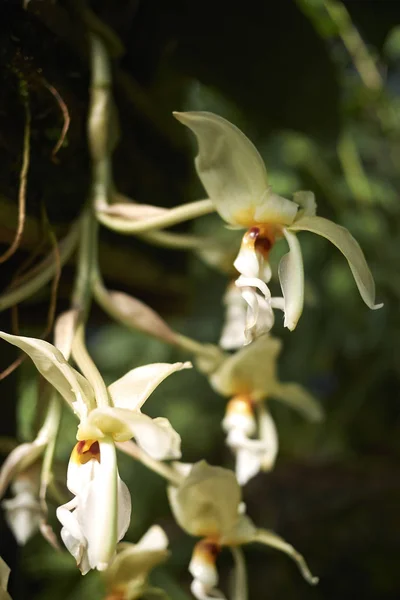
x=23 y=512
x=249 y=377
x=99 y=514
x=127 y=577
x=208 y=504
x=235 y=179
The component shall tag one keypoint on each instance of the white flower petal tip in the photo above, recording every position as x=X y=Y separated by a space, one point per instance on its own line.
x=291 y=276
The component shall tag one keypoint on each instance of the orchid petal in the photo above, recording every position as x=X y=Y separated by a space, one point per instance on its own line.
x=297 y=397
x=291 y=276
x=50 y=363
x=155 y=436
x=269 y=436
x=23 y=513
x=133 y=389
x=274 y=209
x=207 y=501
x=350 y=248
x=20 y=459
x=228 y=165
x=251 y=370
x=260 y=317
x=265 y=536
x=104 y=509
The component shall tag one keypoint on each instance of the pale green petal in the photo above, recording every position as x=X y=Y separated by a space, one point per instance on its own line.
x=291 y=277
x=306 y=202
x=342 y=239
x=50 y=363
x=229 y=166
x=133 y=389
x=239 y=584
x=275 y=209
x=206 y=503
x=265 y=536
x=300 y=399
x=250 y=370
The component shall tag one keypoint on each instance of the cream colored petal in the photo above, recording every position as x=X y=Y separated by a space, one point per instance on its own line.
x=229 y=166
x=250 y=370
x=64 y=331
x=350 y=248
x=133 y=389
x=50 y=363
x=306 y=202
x=72 y=535
x=291 y=276
x=206 y=503
x=154 y=539
x=248 y=464
x=23 y=514
x=269 y=436
x=232 y=336
x=99 y=508
x=18 y=460
x=134 y=561
x=269 y=538
x=202 y=592
x=157 y=437
x=300 y=399
x=275 y=210
x=260 y=316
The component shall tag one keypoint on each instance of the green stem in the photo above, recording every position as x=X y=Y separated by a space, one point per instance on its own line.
x=52 y=425
x=45 y=271
x=353 y=169
x=174 y=216
x=176 y=241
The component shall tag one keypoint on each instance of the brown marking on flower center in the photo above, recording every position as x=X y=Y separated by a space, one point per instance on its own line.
x=85 y=450
x=260 y=239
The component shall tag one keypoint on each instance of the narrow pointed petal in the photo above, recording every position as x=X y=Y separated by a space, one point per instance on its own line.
x=133 y=389
x=291 y=277
x=297 y=397
x=52 y=365
x=350 y=248
x=228 y=165
x=269 y=436
x=265 y=536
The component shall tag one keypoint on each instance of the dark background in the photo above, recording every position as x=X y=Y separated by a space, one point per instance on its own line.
x=281 y=72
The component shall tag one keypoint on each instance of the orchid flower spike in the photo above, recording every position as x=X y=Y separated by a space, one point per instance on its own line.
x=235 y=178
x=99 y=514
x=127 y=577
x=248 y=378
x=208 y=504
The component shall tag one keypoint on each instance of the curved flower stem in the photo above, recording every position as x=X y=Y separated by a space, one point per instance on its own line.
x=177 y=241
x=52 y=422
x=103 y=298
x=133 y=450
x=240 y=575
x=44 y=272
x=176 y=215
